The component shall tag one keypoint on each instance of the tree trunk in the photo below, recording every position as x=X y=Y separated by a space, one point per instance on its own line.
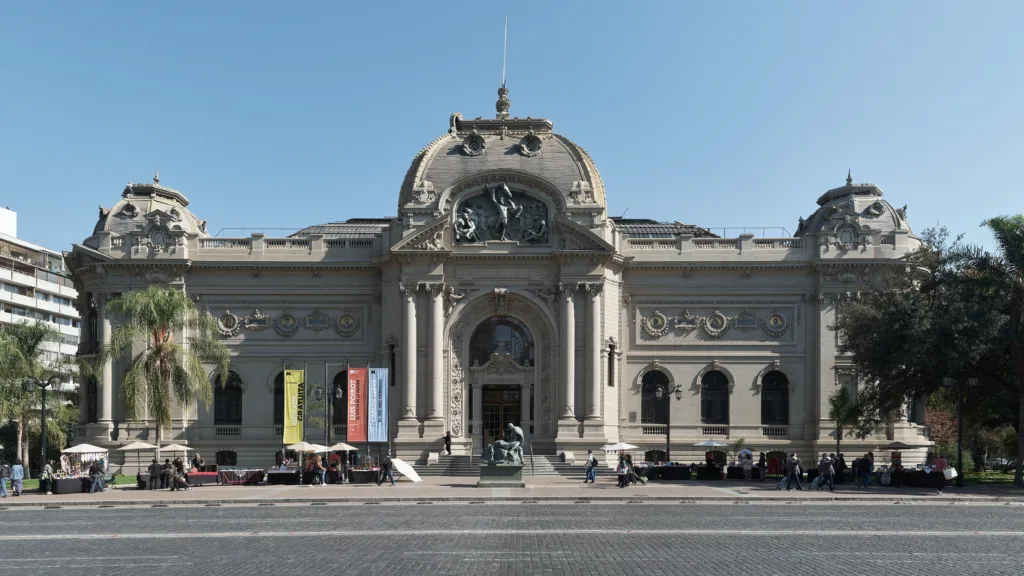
x=158 y=441
x=1018 y=480
x=839 y=437
x=17 y=451
x=25 y=451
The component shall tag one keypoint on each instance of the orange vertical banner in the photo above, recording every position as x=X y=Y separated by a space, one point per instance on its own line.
x=357 y=380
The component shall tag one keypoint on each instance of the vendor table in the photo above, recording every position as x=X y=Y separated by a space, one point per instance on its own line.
x=675 y=472
x=200 y=478
x=71 y=485
x=242 y=477
x=709 y=473
x=362 y=476
x=736 y=473
x=283 y=477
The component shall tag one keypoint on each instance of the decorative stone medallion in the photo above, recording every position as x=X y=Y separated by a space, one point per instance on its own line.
x=228 y=324
x=347 y=324
x=776 y=324
x=473 y=145
x=715 y=324
x=317 y=321
x=846 y=237
x=257 y=321
x=686 y=322
x=655 y=324
x=530 y=145
x=286 y=325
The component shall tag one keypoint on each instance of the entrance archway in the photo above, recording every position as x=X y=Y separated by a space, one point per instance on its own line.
x=501 y=355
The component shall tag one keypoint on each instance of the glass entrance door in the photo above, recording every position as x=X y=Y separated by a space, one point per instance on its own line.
x=501 y=405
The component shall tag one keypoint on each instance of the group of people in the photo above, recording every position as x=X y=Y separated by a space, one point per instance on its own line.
x=15 y=473
x=171 y=475
x=626 y=471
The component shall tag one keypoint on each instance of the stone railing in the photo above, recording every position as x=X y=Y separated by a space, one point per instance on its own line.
x=225 y=243
x=715 y=431
x=653 y=429
x=775 y=431
x=778 y=243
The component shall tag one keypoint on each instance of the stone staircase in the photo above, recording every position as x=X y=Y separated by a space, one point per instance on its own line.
x=464 y=467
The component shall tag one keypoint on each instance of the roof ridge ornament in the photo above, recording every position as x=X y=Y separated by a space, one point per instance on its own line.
x=849 y=177
x=503 y=104
x=156 y=177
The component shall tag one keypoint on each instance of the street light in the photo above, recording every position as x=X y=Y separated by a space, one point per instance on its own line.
x=659 y=393
x=30 y=385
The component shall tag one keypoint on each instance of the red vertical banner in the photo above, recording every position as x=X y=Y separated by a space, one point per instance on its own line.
x=357 y=380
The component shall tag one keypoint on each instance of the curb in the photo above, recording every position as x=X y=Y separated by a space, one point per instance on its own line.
x=56 y=505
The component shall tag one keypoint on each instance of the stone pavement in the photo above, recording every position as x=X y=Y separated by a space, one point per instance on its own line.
x=452 y=489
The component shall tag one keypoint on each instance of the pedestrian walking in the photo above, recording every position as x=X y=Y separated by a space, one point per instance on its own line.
x=826 y=472
x=865 y=467
x=321 y=470
x=840 y=468
x=762 y=466
x=17 y=476
x=448 y=442
x=385 y=471
x=793 y=471
x=591 y=467
x=622 y=469
x=5 y=475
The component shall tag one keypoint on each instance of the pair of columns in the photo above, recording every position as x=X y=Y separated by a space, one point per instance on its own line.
x=592 y=394
x=435 y=347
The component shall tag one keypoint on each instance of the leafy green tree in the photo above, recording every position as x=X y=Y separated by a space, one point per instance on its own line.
x=22 y=356
x=1001 y=276
x=179 y=340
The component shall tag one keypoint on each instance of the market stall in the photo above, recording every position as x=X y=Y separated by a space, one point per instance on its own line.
x=199 y=478
x=365 y=476
x=73 y=476
x=250 y=477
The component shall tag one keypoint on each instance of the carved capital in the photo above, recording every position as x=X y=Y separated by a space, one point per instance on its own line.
x=593 y=289
x=567 y=291
x=409 y=290
x=435 y=289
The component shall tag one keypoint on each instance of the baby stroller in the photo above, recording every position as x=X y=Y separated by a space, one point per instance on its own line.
x=633 y=478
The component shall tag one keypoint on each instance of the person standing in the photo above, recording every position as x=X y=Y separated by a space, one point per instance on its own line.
x=154 y=474
x=748 y=465
x=448 y=442
x=622 y=470
x=591 y=467
x=96 y=475
x=939 y=466
x=840 y=468
x=826 y=471
x=17 y=476
x=385 y=471
x=321 y=470
x=5 y=474
x=762 y=466
x=866 y=467
x=46 y=479
x=165 y=473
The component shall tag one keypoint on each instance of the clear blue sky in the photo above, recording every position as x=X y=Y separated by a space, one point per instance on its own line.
x=272 y=114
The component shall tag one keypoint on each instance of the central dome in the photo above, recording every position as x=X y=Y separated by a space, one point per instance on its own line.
x=524 y=146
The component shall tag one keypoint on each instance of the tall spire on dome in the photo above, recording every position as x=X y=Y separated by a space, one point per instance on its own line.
x=156 y=177
x=503 y=103
x=849 y=178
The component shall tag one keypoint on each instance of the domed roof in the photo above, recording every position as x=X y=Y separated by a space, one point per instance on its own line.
x=859 y=205
x=522 y=145
x=141 y=202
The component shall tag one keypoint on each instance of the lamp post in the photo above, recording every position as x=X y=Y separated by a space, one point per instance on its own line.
x=30 y=387
x=959 y=425
x=660 y=393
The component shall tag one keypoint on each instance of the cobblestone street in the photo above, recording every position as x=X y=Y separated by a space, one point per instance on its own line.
x=649 y=539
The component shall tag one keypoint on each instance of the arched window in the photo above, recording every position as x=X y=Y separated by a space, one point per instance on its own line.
x=775 y=399
x=654 y=410
x=227 y=401
x=501 y=334
x=340 y=407
x=91 y=403
x=279 y=400
x=714 y=398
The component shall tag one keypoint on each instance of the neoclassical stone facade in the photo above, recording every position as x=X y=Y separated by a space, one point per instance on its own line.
x=502 y=291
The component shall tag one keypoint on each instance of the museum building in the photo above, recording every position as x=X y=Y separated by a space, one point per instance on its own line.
x=502 y=291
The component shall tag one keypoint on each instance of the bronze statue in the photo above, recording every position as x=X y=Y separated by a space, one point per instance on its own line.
x=509 y=450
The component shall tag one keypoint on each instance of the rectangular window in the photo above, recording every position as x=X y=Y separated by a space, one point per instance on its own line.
x=43 y=296
x=611 y=366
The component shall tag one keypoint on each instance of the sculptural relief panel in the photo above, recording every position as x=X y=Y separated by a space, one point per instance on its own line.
x=674 y=323
x=500 y=213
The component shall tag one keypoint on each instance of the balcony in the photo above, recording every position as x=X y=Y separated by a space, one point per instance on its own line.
x=227 y=430
x=781 y=432
x=654 y=429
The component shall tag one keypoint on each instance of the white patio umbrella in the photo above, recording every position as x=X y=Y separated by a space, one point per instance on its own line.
x=85 y=449
x=307 y=447
x=342 y=447
x=618 y=447
x=137 y=447
x=711 y=444
x=406 y=470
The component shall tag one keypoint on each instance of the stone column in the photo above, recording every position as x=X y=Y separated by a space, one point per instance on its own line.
x=435 y=347
x=478 y=418
x=568 y=351
x=106 y=383
x=409 y=351
x=526 y=397
x=594 y=352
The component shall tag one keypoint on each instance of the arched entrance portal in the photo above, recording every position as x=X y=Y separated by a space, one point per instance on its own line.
x=501 y=369
x=501 y=360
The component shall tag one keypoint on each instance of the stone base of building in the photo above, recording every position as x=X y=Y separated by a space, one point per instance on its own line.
x=501 y=476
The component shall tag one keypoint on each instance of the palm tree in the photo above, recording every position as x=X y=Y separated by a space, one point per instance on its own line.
x=1003 y=274
x=845 y=411
x=169 y=371
x=21 y=357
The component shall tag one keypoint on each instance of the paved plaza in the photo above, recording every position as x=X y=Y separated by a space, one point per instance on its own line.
x=516 y=538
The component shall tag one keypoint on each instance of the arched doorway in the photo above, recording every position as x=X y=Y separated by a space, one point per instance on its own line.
x=501 y=363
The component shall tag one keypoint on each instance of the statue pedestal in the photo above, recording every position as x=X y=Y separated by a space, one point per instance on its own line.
x=501 y=476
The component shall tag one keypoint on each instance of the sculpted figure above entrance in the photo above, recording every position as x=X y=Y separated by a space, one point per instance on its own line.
x=500 y=213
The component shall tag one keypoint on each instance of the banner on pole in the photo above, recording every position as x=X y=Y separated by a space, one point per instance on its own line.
x=294 y=405
x=357 y=404
x=377 y=406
